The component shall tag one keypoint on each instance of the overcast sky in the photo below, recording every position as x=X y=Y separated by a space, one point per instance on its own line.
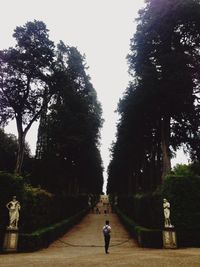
x=101 y=29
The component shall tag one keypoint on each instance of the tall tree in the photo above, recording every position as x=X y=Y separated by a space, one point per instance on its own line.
x=25 y=79
x=167 y=41
x=74 y=146
x=160 y=109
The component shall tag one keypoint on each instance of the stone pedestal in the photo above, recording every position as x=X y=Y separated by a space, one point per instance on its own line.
x=10 y=240
x=169 y=238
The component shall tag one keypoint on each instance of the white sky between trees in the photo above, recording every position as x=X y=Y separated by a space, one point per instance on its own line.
x=100 y=29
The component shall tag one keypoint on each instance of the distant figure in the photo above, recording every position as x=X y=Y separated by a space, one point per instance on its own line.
x=97 y=211
x=166 y=207
x=13 y=206
x=106 y=233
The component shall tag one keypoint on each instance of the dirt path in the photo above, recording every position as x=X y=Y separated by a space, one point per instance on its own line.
x=82 y=246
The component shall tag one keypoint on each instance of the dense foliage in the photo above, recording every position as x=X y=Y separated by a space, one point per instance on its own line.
x=8 y=151
x=68 y=135
x=143 y=214
x=182 y=188
x=160 y=108
x=39 y=81
x=25 y=80
x=39 y=208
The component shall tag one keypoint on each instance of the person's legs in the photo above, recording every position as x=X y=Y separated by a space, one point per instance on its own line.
x=107 y=241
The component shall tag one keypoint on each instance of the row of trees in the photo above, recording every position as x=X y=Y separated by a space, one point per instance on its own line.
x=39 y=81
x=160 y=109
x=68 y=136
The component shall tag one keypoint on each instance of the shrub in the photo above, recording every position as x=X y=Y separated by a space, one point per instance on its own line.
x=37 y=209
x=145 y=209
x=151 y=238
x=44 y=236
x=10 y=185
x=183 y=192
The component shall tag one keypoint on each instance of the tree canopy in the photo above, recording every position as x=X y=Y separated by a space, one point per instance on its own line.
x=24 y=79
x=39 y=81
x=160 y=108
x=69 y=129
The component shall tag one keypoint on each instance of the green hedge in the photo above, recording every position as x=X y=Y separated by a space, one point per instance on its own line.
x=38 y=206
x=145 y=209
x=10 y=185
x=151 y=238
x=183 y=192
x=182 y=188
x=188 y=237
x=43 y=237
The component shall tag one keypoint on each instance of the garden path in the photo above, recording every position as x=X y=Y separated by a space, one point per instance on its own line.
x=82 y=246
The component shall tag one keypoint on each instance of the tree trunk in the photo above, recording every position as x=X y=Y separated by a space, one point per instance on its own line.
x=21 y=146
x=20 y=153
x=21 y=138
x=165 y=138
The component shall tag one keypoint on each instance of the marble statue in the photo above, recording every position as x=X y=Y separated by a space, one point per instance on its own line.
x=166 y=207
x=13 y=206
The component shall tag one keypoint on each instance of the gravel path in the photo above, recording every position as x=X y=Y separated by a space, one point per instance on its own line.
x=82 y=246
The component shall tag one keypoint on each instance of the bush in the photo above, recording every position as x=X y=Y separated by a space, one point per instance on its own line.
x=151 y=238
x=188 y=237
x=182 y=188
x=37 y=209
x=10 y=185
x=41 y=208
x=145 y=209
x=43 y=237
x=183 y=192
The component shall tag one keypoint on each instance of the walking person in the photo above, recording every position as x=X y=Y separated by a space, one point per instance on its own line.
x=106 y=233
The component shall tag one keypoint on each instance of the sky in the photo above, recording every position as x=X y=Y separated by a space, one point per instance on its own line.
x=100 y=29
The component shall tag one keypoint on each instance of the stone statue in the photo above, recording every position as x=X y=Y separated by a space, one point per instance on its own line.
x=13 y=206
x=166 y=207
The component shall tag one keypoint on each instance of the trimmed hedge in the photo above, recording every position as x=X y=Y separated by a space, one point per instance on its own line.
x=183 y=192
x=38 y=206
x=145 y=209
x=182 y=189
x=188 y=237
x=150 y=238
x=43 y=237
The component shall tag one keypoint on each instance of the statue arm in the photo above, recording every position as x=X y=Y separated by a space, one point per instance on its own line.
x=19 y=207
x=7 y=205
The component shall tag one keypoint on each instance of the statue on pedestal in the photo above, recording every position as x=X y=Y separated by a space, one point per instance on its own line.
x=13 y=206
x=166 y=207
